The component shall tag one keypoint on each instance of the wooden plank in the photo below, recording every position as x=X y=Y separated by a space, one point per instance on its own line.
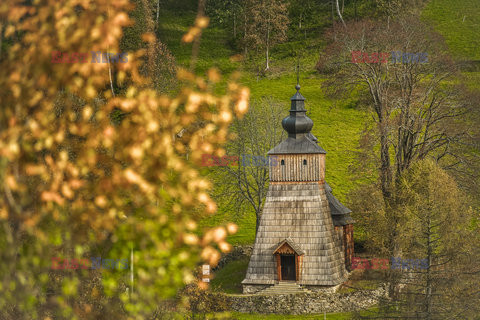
x=279 y=268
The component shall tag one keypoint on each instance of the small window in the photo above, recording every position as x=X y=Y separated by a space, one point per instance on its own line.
x=304 y=162
x=282 y=162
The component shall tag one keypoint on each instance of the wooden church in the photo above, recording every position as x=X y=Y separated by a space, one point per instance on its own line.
x=305 y=234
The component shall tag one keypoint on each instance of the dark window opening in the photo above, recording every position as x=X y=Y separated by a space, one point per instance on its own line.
x=304 y=162
x=282 y=162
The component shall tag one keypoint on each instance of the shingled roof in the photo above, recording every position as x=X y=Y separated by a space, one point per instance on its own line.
x=340 y=213
x=299 y=145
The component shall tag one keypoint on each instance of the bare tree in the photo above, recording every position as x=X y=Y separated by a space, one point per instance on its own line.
x=412 y=106
x=158 y=63
x=258 y=132
x=416 y=112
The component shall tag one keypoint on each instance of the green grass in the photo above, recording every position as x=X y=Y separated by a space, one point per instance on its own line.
x=251 y=316
x=229 y=278
x=337 y=127
x=459 y=23
x=214 y=50
x=255 y=316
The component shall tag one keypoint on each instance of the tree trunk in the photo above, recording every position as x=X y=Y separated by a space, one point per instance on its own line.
x=267 y=67
x=110 y=75
x=386 y=187
x=386 y=177
x=234 y=26
x=1 y=39
x=386 y=170
x=333 y=14
x=158 y=10
x=355 y=6
x=245 y=33
x=340 y=14
x=268 y=42
x=258 y=215
x=428 y=293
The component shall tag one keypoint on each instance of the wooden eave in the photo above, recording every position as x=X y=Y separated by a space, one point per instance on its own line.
x=288 y=244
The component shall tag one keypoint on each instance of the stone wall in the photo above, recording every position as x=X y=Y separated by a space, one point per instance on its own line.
x=306 y=303
x=251 y=289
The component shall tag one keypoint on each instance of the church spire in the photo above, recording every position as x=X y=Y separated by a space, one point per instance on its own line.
x=297 y=124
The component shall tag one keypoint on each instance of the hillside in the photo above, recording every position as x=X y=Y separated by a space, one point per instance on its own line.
x=337 y=126
x=459 y=23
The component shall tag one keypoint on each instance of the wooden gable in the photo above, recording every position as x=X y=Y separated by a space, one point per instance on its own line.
x=287 y=246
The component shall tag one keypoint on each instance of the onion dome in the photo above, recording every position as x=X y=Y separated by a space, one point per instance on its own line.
x=297 y=124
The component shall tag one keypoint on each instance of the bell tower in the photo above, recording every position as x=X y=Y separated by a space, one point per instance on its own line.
x=300 y=158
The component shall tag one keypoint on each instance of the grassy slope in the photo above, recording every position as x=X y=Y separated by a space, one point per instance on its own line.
x=337 y=127
x=213 y=50
x=228 y=278
x=459 y=23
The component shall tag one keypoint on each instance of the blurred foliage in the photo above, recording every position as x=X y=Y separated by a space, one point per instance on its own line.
x=80 y=180
x=159 y=63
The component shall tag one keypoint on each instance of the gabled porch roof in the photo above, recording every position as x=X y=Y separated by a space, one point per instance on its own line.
x=290 y=243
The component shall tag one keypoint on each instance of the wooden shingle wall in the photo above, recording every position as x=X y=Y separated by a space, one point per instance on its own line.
x=299 y=211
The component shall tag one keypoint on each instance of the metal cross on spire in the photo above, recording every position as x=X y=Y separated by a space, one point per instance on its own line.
x=298 y=74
